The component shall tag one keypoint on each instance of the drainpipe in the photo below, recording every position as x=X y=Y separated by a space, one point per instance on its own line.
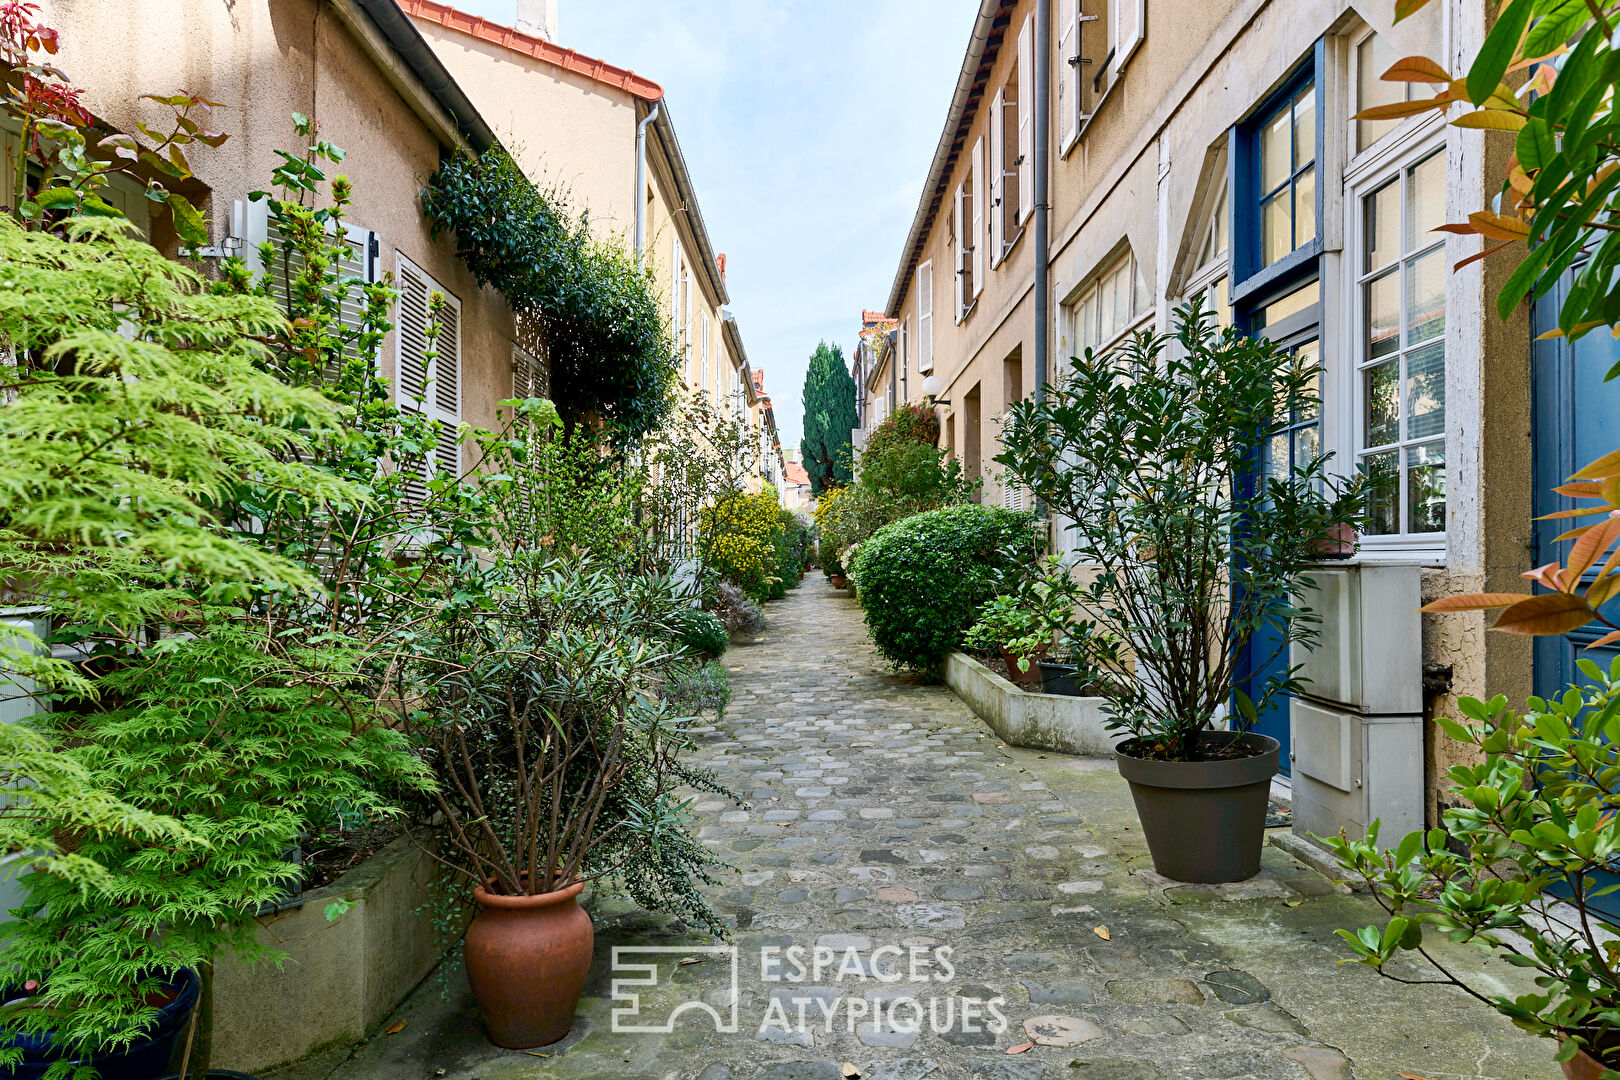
x=641 y=181
x=1043 y=125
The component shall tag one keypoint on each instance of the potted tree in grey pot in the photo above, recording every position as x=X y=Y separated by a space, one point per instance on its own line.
x=1185 y=467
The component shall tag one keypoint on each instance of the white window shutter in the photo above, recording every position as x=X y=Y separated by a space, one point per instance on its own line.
x=1026 y=119
x=410 y=338
x=998 y=189
x=961 y=255
x=1068 y=64
x=925 y=317
x=1126 y=19
x=421 y=386
x=977 y=204
x=528 y=377
x=705 y=353
x=447 y=387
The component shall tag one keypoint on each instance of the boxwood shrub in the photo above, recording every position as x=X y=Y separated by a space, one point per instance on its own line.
x=923 y=578
x=703 y=633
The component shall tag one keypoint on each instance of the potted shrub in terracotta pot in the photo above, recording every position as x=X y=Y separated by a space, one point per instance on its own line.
x=558 y=766
x=1196 y=545
x=1035 y=605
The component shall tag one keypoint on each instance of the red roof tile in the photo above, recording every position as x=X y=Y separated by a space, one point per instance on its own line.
x=517 y=41
x=795 y=474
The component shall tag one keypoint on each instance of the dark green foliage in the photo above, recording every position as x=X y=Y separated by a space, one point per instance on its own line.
x=1149 y=452
x=791 y=545
x=829 y=418
x=703 y=634
x=924 y=578
x=609 y=350
x=698 y=688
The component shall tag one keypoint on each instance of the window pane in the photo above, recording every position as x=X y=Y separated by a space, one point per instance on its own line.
x=1276 y=457
x=1222 y=227
x=1426 y=209
x=1383 y=508
x=1426 y=392
x=1373 y=58
x=1382 y=225
x=1305 y=127
x=1426 y=488
x=1223 y=308
x=1276 y=231
x=1383 y=300
x=1275 y=165
x=1295 y=302
x=1305 y=208
x=1308 y=356
x=1383 y=405
x=1426 y=297
x=1307 y=446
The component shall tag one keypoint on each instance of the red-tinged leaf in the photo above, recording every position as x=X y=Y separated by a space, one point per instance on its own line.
x=1580 y=489
x=1549 y=613
x=1478 y=255
x=1020 y=1048
x=1570 y=534
x=396 y=1027
x=1416 y=69
x=1460 y=228
x=1547 y=575
x=1579 y=511
x=1602 y=591
x=1406 y=8
x=1399 y=110
x=1532 y=61
x=1491 y=120
x=1472 y=602
x=47 y=39
x=1607 y=639
x=212 y=138
x=1499 y=226
x=1595 y=539
x=1607 y=465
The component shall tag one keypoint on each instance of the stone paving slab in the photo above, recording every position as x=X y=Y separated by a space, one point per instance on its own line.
x=896 y=864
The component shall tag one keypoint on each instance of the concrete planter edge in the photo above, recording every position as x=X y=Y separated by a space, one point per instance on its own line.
x=1052 y=722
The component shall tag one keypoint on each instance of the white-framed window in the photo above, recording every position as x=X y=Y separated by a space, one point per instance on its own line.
x=925 y=317
x=967 y=226
x=423 y=384
x=1212 y=277
x=1068 y=62
x=1371 y=56
x=1398 y=324
x=360 y=259
x=1102 y=311
x=680 y=301
x=1010 y=130
x=976 y=178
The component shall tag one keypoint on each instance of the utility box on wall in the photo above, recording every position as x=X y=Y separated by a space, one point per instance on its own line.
x=1357 y=730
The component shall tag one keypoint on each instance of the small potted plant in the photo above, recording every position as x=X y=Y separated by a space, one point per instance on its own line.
x=1149 y=451
x=1034 y=607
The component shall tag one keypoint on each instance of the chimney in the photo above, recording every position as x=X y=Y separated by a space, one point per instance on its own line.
x=538 y=18
x=721 y=259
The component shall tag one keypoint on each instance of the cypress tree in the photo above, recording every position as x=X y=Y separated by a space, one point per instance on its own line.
x=829 y=417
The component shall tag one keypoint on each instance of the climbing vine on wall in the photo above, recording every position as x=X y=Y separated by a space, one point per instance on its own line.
x=610 y=352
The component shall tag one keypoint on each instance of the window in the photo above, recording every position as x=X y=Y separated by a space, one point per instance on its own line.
x=1371 y=56
x=529 y=378
x=1287 y=175
x=925 y=317
x=360 y=258
x=678 y=302
x=1069 y=62
x=1401 y=321
x=967 y=224
x=1025 y=162
x=1212 y=279
x=1104 y=310
x=424 y=384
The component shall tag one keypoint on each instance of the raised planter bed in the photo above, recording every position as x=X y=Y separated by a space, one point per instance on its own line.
x=341 y=979
x=1066 y=725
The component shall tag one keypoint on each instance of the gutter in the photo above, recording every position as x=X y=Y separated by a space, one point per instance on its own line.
x=1042 y=208
x=988 y=9
x=640 y=202
x=663 y=129
x=386 y=19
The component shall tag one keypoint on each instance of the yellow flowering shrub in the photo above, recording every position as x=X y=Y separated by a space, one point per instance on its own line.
x=737 y=537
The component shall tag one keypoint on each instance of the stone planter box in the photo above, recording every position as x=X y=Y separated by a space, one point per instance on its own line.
x=1065 y=725
x=340 y=979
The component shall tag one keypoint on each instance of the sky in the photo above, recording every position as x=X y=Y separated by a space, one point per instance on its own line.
x=808 y=127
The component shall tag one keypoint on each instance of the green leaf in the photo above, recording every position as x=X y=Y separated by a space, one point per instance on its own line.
x=1496 y=54
x=188 y=223
x=56 y=198
x=1556 y=26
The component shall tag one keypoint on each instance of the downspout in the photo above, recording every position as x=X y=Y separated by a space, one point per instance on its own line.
x=641 y=181
x=1043 y=124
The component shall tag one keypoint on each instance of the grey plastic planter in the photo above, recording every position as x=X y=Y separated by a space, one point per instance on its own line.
x=1063 y=679
x=1205 y=821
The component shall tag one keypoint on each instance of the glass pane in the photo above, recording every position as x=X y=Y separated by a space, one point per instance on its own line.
x=1105 y=308
x=1307 y=446
x=1373 y=58
x=1383 y=507
x=1295 y=302
x=1426 y=392
x=1305 y=127
x=1382 y=225
x=1275 y=164
x=1276 y=231
x=1276 y=463
x=1426 y=488
x=1426 y=208
x=1308 y=356
x=1383 y=299
x=1383 y=404
x=1223 y=307
x=1305 y=208
x=1426 y=297
x=1222 y=226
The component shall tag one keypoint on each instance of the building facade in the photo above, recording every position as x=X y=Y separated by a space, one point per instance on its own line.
x=1210 y=151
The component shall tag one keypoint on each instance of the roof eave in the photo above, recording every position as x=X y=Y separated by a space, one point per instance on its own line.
x=663 y=129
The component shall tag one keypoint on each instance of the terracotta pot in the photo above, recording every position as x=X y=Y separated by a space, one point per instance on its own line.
x=1339 y=543
x=839 y=581
x=1583 y=1066
x=1032 y=675
x=527 y=957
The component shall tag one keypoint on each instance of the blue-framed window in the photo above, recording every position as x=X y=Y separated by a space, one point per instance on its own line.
x=1274 y=161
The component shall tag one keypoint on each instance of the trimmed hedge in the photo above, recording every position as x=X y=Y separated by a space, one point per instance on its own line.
x=704 y=634
x=924 y=578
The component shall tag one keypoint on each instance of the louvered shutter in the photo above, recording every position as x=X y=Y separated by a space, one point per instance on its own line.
x=528 y=375
x=978 y=216
x=705 y=353
x=446 y=374
x=1026 y=119
x=431 y=387
x=925 y=317
x=1068 y=60
x=998 y=189
x=1127 y=19
x=960 y=291
x=357 y=262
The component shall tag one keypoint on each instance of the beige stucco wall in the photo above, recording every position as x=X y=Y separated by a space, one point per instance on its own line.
x=264 y=60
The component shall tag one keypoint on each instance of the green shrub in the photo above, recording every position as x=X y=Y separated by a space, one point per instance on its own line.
x=924 y=579
x=703 y=633
x=737 y=537
x=698 y=688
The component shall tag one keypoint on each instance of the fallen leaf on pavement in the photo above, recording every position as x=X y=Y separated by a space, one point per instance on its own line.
x=1020 y=1048
x=1296 y=903
x=851 y=1072
x=1102 y=932
x=691 y=960
x=396 y=1027
x=1409 y=1076
x=536 y=1053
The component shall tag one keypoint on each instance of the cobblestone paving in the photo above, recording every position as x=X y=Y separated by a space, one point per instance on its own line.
x=889 y=835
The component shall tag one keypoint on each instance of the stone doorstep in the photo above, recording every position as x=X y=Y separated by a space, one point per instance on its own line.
x=1313 y=855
